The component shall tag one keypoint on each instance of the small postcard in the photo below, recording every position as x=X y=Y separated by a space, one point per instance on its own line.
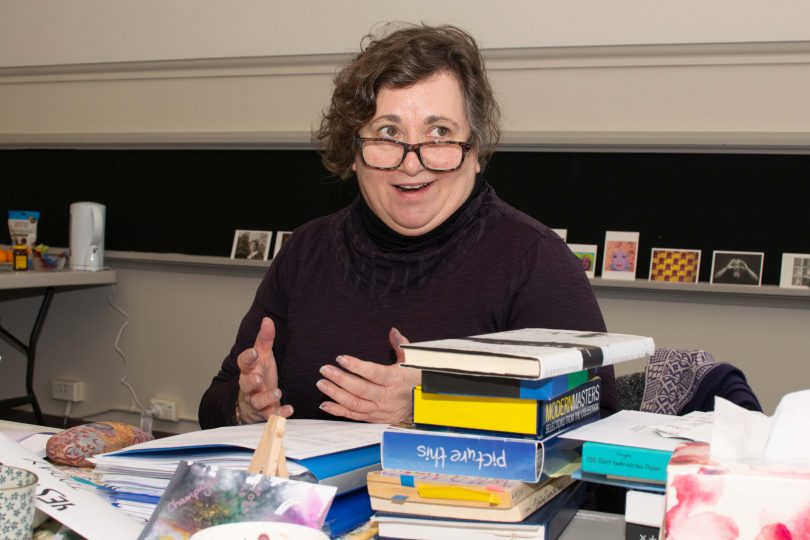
x=562 y=233
x=253 y=245
x=281 y=237
x=737 y=267
x=621 y=254
x=795 y=271
x=675 y=265
x=586 y=253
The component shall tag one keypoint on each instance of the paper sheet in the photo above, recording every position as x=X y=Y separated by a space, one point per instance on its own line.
x=61 y=498
x=302 y=438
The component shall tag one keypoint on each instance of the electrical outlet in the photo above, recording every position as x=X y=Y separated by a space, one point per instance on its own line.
x=165 y=409
x=67 y=390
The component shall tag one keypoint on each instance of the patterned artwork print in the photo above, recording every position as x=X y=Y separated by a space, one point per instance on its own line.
x=675 y=265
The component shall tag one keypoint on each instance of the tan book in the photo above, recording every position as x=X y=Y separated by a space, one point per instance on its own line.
x=445 y=508
x=449 y=489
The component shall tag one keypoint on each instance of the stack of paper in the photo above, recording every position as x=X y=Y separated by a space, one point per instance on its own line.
x=333 y=453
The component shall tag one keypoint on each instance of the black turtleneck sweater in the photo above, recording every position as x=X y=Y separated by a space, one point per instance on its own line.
x=341 y=282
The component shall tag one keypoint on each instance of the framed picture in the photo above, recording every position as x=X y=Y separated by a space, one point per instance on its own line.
x=281 y=237
x=562 y=233
x=586 y=254
x=621 y=254
x=795 y=271
x=675 y=265
x=254 y=245
x=737 y=267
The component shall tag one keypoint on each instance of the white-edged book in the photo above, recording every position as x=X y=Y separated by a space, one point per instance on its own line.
x=530 y=353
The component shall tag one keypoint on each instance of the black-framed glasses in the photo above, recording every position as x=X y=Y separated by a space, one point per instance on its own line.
x=388 y=154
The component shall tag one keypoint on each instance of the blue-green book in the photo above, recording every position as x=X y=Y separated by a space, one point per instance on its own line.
x=630 y=462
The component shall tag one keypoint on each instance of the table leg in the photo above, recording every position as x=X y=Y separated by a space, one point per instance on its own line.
x=30 y=353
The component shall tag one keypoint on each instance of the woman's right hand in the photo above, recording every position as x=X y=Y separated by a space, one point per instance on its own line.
x=259 y=395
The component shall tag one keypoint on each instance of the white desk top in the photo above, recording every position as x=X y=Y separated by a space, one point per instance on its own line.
x=54 y=278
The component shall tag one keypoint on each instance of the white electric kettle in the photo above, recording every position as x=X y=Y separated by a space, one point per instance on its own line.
x=87 y=236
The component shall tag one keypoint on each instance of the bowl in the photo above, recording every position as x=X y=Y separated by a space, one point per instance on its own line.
x=259 y=530
x=49 y=261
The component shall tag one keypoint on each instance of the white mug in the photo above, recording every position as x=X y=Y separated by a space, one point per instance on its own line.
x=87 y=236
x=17 y=502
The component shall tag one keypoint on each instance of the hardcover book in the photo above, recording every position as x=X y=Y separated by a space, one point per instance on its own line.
x=471 y=454
x=547 y=523
x=517 y=512
x=448 y=489
x=442 y=382
x=533 y=353
x=523 y=416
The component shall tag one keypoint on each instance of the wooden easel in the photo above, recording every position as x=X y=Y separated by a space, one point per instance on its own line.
x=269 y=458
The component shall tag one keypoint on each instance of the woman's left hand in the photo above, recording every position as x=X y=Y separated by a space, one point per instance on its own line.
x=368 y=391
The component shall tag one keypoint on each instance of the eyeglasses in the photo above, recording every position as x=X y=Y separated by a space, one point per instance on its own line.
x=387 y=154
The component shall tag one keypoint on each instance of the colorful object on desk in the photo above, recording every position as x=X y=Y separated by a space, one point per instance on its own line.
x=259 y=530
x=73 y=446
x=201 y=496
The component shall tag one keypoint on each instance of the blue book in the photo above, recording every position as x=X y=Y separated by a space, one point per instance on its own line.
x=474 y=454
x=631 y=462
x=546 y=523
x=348 y=511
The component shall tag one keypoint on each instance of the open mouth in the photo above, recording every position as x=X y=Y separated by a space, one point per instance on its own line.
x=412 y=188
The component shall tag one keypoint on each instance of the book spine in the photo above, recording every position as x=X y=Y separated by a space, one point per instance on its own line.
x=446 y=453
x=570 y=408
x=634 y=531
x=442 y=382
x=625 y=461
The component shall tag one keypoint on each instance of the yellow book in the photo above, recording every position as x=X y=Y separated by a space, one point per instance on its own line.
x=510 y=415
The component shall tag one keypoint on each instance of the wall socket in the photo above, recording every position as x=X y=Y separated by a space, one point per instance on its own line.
x=67 y=390
x=165 y=409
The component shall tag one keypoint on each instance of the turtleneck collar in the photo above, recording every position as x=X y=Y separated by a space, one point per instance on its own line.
x=388 y=239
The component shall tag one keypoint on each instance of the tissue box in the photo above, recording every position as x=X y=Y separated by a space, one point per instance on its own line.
x=711 y=499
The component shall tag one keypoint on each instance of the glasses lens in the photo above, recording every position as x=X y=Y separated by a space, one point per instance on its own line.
x=382 y=154
x=441 y=157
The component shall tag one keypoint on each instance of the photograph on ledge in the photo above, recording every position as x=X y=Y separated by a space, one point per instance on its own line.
x=253 y=245
x=281 y=237
x=621 y=253
x=795 y=271
x=586 y=253
x=675 y=265
x=737 y=267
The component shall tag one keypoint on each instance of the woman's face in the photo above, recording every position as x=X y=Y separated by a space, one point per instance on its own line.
x=410 y=199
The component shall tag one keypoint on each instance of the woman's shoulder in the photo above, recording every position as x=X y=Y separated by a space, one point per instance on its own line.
x=523 y=228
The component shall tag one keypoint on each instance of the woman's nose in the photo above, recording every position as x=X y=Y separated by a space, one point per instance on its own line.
x=411 y=165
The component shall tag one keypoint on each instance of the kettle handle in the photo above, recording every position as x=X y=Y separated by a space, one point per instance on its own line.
x=98 y=225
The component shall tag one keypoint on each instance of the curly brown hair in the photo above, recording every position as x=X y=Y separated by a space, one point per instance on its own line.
x=400 y=59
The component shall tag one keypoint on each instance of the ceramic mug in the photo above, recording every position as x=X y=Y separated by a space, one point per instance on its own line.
x=18 y=489
x=259 y=530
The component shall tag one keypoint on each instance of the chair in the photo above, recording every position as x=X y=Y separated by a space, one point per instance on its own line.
x=679 y=382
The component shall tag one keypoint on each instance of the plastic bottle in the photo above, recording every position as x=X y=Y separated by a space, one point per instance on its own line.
x=19 y=260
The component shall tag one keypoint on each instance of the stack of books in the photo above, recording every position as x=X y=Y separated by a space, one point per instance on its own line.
x=484 y=458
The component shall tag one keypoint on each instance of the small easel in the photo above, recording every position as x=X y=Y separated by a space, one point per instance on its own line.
x=269 y=458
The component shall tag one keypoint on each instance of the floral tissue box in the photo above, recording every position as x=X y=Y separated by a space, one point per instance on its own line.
x=725 y=500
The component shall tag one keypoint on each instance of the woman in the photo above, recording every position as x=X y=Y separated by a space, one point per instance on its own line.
x=427 y=251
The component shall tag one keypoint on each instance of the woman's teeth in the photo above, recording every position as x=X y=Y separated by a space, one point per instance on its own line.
x=413 y=187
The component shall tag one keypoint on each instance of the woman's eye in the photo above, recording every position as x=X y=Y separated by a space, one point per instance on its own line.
x=388 y=131
x=440 y=131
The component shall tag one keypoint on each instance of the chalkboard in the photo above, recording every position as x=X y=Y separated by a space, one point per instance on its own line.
x=191 y=201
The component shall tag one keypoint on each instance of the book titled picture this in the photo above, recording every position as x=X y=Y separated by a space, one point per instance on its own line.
x=621 y=254
x=737 y=267
x=281 y=237
x=675 y=265
x=795 y=271
x=586 y=253
x=253 y=245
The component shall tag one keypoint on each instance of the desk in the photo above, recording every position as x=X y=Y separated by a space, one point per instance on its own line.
x=48 y=280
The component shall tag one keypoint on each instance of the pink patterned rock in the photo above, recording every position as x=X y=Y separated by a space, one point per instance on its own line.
x=74 y=445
